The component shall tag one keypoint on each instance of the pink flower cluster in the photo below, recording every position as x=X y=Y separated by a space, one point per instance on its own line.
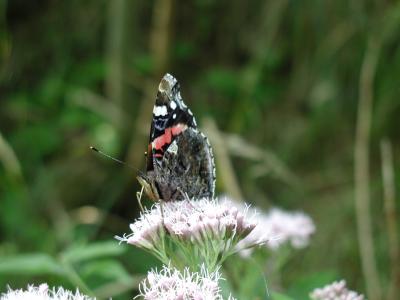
x=172 y=284
x=280 y=227
x=42 y=292
x=198 y=222
x=335 y=291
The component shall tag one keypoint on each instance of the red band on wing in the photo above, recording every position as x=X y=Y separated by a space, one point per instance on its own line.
x=166 y=138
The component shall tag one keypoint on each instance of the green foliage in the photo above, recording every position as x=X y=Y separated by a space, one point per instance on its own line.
x=301 y=288
x=87 y=266
x=278 y=296
x=30 y=265
x=81 y=253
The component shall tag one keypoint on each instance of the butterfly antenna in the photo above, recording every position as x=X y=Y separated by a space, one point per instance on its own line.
x=115 y=159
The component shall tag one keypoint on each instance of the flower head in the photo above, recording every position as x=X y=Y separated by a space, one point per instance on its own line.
x=282 y=227
x=208 y=229
x=335 y=291
x=42 y=292
x=172 y=284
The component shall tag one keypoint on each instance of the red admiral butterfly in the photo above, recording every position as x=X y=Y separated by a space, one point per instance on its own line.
x=180 y=162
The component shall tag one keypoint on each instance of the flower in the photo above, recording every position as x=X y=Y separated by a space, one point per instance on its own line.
x=282 y=227
x=201 y=231
x=172 y=284
x=42 y=292
x=335 y=291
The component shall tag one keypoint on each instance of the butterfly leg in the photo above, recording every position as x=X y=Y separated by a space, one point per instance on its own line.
x=162 y=213
x=139 y=198
x=187 y=198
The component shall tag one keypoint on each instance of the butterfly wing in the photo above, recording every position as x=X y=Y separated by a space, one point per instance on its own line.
x=180 y=160
x=187 y=168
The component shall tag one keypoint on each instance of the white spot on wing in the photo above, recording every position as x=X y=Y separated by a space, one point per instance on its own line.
x=190 y=112
x=183 y=104
x=160 y=110
x=173 y=148
x=174 y=116
x=172 y=105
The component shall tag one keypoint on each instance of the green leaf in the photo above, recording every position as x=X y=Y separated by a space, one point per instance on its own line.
x=95 y=250
x=223 y=81
x=30 y=264
x=140 y=260
x=253 y=284
x=278 y=296
x=306 y=283
x=108 y=277
x=184 y=49
x=46 y=136
x=111 y=270
x=89 y=72
x=226 y=289
x=143 y=63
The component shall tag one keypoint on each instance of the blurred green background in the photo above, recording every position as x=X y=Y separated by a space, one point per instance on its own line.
x=280 y=87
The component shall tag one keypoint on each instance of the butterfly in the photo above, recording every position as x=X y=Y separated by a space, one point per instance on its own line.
x=180 y=161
